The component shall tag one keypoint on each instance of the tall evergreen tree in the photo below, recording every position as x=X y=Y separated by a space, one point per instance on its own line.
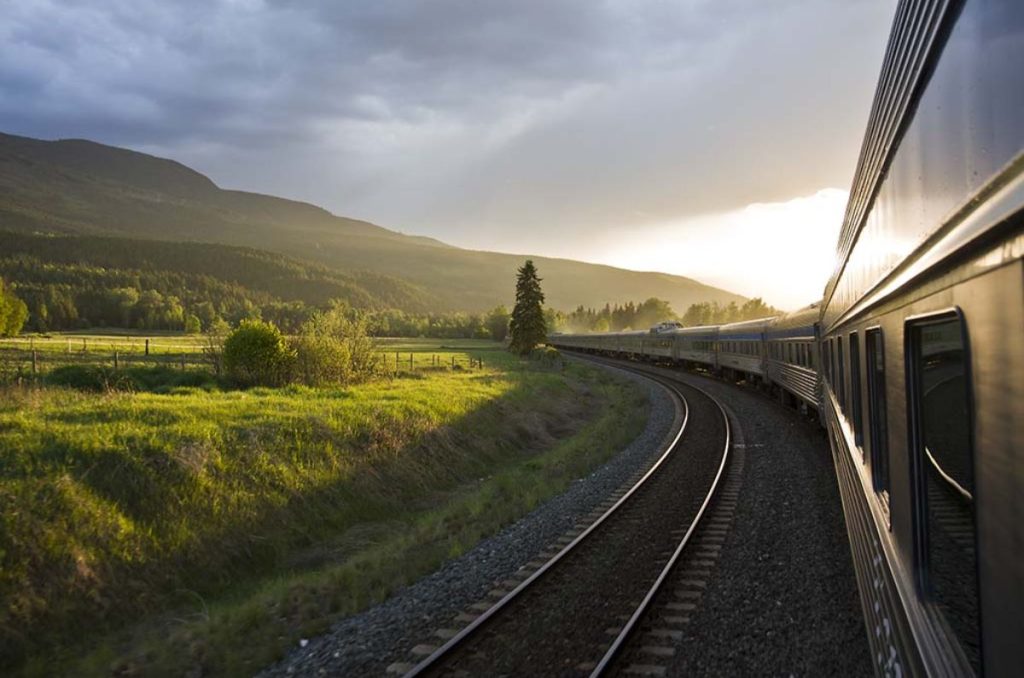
x=527 y=328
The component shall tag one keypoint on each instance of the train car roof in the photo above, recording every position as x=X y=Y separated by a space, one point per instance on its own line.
x=698 y=330
x=801 y=321
x=746 y=326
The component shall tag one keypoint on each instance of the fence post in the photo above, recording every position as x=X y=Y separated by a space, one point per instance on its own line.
x=115 y=359
x=182 y=362
x=33 y=362
x=453 y=361
x=397 y=358
x=84 y=349
x=69 y=347
x=147 y=346
x=410 y=362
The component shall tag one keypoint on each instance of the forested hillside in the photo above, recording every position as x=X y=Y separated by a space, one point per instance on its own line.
x=81 y=187
x=81 y=281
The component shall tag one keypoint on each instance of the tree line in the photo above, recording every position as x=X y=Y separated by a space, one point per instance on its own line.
x=184 y=303
x=646 y=314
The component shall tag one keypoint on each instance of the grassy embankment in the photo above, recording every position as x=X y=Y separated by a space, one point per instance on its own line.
x=206 y=528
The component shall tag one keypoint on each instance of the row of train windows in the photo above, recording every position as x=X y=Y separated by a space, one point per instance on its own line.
x=941 y=455
x=741 y=347
x=699 y=345
x=792 y=352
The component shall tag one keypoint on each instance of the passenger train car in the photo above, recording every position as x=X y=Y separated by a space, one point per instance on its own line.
x=914 y=358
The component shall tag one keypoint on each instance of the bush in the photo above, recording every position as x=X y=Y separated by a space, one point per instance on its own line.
x=13 y=312
x=333 y=348
x=548 y=356
x=255 y=354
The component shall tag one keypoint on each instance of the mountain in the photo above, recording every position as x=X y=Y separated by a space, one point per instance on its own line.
x=81 y=187
x=32 y=259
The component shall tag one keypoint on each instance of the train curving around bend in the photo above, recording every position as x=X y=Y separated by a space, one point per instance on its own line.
x=914 y=358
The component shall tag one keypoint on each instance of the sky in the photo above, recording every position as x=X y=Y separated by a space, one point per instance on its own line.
x=715 y=139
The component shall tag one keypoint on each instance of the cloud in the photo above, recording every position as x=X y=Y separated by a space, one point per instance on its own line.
x=483 y=122
x=780 y=251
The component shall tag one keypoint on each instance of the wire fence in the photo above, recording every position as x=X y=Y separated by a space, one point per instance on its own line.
x=23 y=359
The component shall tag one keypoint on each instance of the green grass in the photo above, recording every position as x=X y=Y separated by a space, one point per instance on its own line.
x=211 y=529
x=96 y=348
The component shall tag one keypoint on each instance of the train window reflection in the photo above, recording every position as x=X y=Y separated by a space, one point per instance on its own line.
x=944 y=470
x=841 y=370
x=855 y=405
x=874 y=349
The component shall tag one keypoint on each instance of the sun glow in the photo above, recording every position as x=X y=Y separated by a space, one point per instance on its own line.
x=782 y=251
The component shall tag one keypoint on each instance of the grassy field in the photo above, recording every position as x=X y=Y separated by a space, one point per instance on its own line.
x=199 y=529
x=124 y=348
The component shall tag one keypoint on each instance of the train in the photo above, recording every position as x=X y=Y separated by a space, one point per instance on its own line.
x=913 y=358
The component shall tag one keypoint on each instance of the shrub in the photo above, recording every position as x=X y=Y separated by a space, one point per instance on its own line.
x=13 y=312
x=548 y=356
x=256 y=354
x=332 y=347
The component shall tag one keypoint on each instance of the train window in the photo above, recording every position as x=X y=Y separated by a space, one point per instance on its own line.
x=855 y=395
x=841 y=373
x=943 y=466
x=826 y=346
x=874 y=350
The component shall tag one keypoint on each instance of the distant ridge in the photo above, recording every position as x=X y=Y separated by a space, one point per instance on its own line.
x=76 y=186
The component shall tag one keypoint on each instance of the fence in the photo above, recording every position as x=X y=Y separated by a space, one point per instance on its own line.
x=21 y=358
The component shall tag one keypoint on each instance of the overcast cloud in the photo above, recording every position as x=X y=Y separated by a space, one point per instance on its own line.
x=521 y=125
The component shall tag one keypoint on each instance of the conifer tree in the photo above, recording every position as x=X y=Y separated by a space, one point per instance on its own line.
x=527 y=328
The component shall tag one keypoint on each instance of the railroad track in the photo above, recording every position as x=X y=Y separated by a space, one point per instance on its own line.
x=578 y=611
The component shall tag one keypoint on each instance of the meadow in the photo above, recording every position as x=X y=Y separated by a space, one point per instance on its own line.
x=183 y=526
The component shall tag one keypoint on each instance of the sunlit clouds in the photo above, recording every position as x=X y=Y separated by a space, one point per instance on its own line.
x=535 y=126
x=779 y=251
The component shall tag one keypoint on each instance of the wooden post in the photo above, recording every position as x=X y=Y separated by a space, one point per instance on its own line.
x=182 y=362
x=397 y=358
x=69 y=346
x=84 y=349
x=453 y=361
x=410 y=361
x=147 y=346
x=33 y=362
x=115 y=359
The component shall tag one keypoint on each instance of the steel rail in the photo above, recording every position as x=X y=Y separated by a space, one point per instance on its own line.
x=462 y=636
x=630 y=626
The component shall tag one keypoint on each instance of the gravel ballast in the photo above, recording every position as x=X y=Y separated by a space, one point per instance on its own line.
x=365 y=644
x=782 y=598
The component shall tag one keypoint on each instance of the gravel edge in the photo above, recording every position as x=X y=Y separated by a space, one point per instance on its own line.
x=368 y=642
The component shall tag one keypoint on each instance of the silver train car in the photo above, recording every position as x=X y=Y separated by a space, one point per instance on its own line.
x=914 y=358
x=923 y=344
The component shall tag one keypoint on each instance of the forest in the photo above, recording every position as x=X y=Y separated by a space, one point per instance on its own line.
x=641 y=316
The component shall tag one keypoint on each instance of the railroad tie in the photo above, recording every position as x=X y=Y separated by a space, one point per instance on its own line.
x=423 y=650
x=644 y=670
x=400 y=668
x=658 y=650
